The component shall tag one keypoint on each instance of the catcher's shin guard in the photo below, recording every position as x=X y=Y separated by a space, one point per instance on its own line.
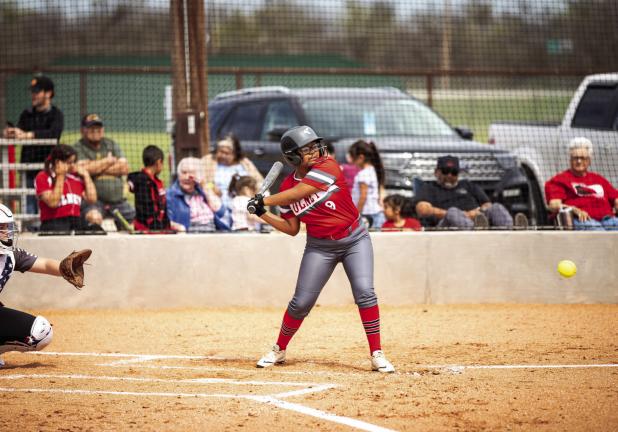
x=41 y=334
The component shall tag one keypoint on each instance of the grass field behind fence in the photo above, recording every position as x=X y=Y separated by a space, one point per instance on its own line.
x=476 y=114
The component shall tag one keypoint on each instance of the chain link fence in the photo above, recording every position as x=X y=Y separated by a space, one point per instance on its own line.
x=505 y=70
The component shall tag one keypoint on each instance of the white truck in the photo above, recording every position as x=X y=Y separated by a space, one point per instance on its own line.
x=542 y=148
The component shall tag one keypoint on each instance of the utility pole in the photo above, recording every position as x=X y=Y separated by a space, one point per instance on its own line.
x=446 y=44
x=189 y=78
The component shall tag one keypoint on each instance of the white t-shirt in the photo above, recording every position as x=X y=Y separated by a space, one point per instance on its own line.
x=369 y=177
x=240 y=215
x=223 y=177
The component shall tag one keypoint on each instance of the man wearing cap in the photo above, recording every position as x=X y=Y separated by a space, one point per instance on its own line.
x=451 y=202
x=42 y=120
x=107 y=164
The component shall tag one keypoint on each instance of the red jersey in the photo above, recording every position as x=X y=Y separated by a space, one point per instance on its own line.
x=71 y=198
x=409 y=224
x=327 y=212
x=591 y=193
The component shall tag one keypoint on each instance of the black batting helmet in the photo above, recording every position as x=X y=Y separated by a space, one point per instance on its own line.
x=295 y=138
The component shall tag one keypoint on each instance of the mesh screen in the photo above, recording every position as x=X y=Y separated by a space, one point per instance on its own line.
x=492 y=82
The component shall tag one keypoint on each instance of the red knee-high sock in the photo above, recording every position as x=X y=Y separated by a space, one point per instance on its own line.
x=371 y=321
x=288 y=328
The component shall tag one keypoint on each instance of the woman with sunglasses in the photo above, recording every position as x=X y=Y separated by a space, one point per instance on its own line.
x=316 y=194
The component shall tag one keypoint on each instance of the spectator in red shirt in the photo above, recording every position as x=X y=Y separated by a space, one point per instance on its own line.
x=60 y=188
x=591 y=197
x=398 y=215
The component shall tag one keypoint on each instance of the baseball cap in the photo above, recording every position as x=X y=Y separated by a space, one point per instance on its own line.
x=39 y=83
x=449 y=161
x=91 y=120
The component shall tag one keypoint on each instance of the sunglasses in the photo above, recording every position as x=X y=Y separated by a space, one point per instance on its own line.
x=580 y=158
x=451 y=171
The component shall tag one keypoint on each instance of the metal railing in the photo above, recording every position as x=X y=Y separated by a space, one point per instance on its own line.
x=16 y=192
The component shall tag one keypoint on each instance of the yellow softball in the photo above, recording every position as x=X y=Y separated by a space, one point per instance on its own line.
x=567 y=268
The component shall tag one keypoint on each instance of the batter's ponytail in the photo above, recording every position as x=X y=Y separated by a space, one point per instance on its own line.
x=376 y=161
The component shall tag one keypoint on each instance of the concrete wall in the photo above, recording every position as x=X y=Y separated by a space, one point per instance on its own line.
x=260 y=270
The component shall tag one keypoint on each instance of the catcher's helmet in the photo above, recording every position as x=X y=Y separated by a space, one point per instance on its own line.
x=7 y=230
x=295 y=138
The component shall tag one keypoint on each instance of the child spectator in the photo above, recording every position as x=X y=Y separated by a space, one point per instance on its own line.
x=349 y=170
x=368 y=182
x=398 y=214
x=150 y=203
x=242 y=189
x=60 y=188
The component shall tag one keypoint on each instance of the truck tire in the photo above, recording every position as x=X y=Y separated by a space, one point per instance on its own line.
x=538 y=212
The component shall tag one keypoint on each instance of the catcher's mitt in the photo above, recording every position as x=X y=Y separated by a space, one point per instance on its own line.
x=72 y=267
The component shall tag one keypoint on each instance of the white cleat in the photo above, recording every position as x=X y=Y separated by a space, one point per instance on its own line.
x=271 y=358
x=1 y=362
x=380 y=364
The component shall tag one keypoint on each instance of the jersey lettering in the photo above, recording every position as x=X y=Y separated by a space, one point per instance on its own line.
x=70 y=198
x=306 y=204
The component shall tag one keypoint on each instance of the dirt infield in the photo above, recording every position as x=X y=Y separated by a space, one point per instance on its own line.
x=458 y=368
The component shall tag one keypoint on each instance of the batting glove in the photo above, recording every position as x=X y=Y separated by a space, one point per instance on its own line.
x=256 y=205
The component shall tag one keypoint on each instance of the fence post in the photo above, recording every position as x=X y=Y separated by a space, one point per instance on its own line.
x=429 y=80
x=238 y=76
x=83 y=94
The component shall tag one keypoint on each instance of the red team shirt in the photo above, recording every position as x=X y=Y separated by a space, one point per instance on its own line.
x=70 y=201
x=409 y=224
x=591 y=193
x=327 y=212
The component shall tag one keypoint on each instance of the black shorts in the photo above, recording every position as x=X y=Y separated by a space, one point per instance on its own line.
x=14 y=325
x=68 y=224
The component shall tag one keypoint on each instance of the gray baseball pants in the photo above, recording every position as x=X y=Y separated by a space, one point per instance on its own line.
x=320 y=258
x=497 y=215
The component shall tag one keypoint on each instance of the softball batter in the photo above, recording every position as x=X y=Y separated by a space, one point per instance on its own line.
x=20 y=331
x=316 y=194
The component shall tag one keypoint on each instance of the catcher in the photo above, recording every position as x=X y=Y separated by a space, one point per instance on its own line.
x=20 y=331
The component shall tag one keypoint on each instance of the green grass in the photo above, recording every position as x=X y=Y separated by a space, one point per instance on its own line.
x=479 y=114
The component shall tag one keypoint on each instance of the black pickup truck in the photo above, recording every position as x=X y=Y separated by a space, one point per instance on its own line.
x=409 y=135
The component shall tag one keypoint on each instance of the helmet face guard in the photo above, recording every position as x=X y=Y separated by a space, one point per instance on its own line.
x=7 y=230
x=7 y=236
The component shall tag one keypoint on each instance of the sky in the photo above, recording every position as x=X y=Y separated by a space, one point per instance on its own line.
x=404 y=8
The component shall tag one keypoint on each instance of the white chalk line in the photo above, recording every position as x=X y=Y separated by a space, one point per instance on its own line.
x=141 y=358
x=308 y=387
x=276 y=399
x=358 y=424
x=528 y=366
x=133 y=358
x=269 y=400
x=272 y=400
x=274 y=370
x=204 y=381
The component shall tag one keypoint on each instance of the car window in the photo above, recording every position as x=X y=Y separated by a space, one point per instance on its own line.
x=353 y=117
x=597 y=108
x=245 y=121
x=279 y=114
